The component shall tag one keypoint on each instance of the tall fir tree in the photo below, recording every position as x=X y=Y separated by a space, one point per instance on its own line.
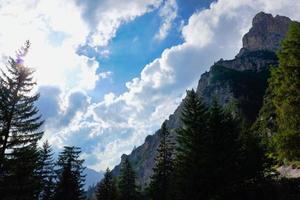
x=189 y=152
x=285 y=81
x=127 y=184
x=20 y=128
x=106 y=189
x=22 y=180
x=20 y=122
x=160 y=187
x=70 y=175
x=223 y=163
x=47 y=172
x=235 y=159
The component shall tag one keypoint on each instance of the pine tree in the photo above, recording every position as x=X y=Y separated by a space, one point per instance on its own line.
x=70 y=175
x=190 y=153
x=160 y=185
x=47 y=172
x=224 y=150
x=286 y=83
x=20 y=129
x=236 y=158
x=106 y=189
x=20 y=122
x=127 y=185
x=23 y=180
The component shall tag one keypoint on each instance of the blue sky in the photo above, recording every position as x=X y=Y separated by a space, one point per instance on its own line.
x=135 y=45
x=111 y=71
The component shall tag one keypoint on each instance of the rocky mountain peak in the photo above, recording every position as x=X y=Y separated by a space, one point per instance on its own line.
x=266 y=33
x=238 y=84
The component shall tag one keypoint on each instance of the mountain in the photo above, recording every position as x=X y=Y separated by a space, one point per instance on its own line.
x=238 y=85
x=92 y=177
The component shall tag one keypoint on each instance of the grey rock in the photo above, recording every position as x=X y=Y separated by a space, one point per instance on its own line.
x=257 y=54
x=266 y=32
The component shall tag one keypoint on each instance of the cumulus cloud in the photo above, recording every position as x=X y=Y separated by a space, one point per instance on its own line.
x=106 y=74
x=55 y=29
x=48 y=102
x=210 y=34
x=168 y=13
x=105 y=16
x=107 y=129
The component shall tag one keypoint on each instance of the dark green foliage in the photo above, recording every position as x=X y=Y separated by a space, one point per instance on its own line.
x=248 y=88
x=127 y=185
x=266 y=124
x=70 y=175
x=223 y=161
x=285 y=82
x=257 y=166
x=275 y=189
x=19 y=130
x=190 y=154
x=215 y=158
x=19 y=119
x=237 y=158
x=279 y=117
x=47 y=172
x=106 y=189
x=22 y=180
x=161 y=180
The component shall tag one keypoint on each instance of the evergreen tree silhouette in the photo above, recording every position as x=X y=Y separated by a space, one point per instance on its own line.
x=190 y=154
x=70 y=175
x=20 y=128
x=106 y=189
x=47 y=172
x=127 y=185
x=161 y=180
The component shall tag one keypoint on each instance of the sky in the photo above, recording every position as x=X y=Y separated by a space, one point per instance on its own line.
x=109 y=72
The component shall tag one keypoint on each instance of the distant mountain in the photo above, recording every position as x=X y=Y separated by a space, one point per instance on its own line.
x=238 y=85
x=92 y=177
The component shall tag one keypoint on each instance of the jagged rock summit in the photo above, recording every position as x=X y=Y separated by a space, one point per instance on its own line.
x=238 y=84
x=266 y=33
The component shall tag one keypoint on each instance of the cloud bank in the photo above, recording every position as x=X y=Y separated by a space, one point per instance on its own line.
x=108 y=128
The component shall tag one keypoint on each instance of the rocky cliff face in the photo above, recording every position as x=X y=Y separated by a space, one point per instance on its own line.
x=266 y=33
x=238 y=84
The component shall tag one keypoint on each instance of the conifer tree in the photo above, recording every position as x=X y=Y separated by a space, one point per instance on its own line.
x=190 y=153
x=47 y=172
x=160 y=185
x=224 y=150
x=20 y=129
x=106 y=189
x=20 y=122
x=70 y=175
x=22 y=180
x=127 y=185
x=236 y=159
x=285 y=80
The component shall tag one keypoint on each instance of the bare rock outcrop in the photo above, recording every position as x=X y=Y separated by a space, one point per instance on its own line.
x=242 y=80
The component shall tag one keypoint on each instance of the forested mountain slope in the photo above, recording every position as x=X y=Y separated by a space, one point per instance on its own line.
x=238 y=84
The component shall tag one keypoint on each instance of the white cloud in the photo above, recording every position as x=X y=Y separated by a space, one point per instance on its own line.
x=115 y=125
x=105 y=16
x=168 y=13
x=209 y=35
x=55 y=29
x=106 y=74
x=105 y=53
